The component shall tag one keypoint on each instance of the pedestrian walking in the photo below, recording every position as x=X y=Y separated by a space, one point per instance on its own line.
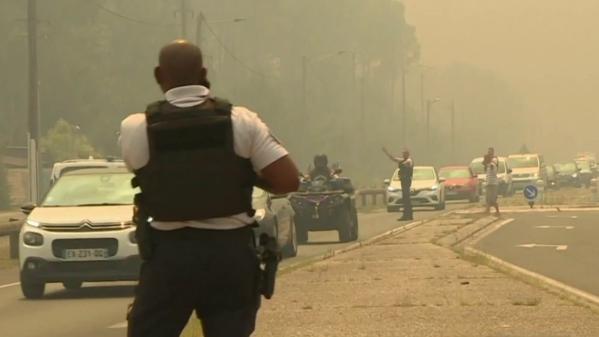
x=491 y=163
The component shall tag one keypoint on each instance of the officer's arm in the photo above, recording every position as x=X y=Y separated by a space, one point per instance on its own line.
x=280 y=177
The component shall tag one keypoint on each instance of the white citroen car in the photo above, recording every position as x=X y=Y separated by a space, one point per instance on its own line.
x=81 y=232
x=427 y=190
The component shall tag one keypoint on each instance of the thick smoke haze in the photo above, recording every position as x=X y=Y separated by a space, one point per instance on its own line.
x=548 y=51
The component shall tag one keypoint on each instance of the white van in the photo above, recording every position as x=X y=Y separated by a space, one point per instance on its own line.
x=527 y=169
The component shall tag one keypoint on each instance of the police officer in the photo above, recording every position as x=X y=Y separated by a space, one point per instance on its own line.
x=406 y=171
x=196 y=160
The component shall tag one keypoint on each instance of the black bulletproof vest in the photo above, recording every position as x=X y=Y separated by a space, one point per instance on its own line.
x=193 y=172
x=406 y=172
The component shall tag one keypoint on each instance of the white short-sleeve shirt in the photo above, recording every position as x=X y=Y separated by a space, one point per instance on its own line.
x=252 y=140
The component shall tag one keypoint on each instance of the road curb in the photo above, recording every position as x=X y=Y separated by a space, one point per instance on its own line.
x=553 y=286
x=466 y=232
x=357 y=245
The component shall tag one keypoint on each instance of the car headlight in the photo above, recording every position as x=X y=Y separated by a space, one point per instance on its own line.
x=260 y=214
x=33 y=239
x=434 y=187
x=575 y=175
x=393 y=189
x=33 y=223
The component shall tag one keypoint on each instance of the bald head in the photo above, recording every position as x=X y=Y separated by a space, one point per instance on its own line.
x=179 y=64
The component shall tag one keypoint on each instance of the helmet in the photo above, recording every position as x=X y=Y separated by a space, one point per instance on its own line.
x=321 y=160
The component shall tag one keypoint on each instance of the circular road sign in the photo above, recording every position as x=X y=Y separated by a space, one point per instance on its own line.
x=531 y=192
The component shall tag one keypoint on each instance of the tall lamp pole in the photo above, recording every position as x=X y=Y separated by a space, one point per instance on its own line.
x=429 y=107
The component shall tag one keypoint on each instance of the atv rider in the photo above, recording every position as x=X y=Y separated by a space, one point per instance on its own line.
x=321 y=167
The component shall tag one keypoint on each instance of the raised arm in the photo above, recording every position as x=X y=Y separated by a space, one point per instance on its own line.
x=393 y=158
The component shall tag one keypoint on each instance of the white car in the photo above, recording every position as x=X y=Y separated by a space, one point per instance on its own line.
x=528 y=169
x=427 y=189
x=81 y=232
x=504 y=175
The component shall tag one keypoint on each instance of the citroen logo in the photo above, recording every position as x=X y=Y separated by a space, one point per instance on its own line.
x=86 y=223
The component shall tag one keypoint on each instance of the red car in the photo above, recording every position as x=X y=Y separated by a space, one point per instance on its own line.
x=460 y=183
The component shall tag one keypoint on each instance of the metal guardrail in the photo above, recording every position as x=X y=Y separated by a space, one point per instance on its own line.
x=372 y=195
x=10 y=225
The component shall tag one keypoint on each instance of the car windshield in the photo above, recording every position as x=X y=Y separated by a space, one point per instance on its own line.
x=423 y=174
x=454 y=173
x=567 y=168
x=94 y=189
x=523 y=162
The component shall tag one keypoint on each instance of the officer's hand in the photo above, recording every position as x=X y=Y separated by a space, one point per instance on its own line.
x=280 y=177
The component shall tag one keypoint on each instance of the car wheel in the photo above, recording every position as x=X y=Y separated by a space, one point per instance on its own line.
x=72 y=285
x=32 y=289
x=440 y=206
x=290 y=249
x=346 y=226
x=301 y=232
x=356 y=233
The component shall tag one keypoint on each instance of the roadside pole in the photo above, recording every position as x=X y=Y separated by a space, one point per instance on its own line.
x=33 y=116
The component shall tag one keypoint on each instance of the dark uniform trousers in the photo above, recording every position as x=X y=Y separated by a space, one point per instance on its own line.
x=214 y=272
x=406 y=200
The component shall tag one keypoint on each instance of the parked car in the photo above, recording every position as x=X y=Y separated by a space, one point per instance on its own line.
x=460 y=183
x=504 y=175
x=427 y=189
x=568 y=174
x=528 y=169
x=585 y=171
x=552 y=181
x=81 y=232
x=274 y=215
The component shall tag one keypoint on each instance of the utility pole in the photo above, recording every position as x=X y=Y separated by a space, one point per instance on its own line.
x=199 y=28
x=429 y=106
x=304 y=85
x=183 y=19
x=453 y=129
x=33 y=116
x=404 y=108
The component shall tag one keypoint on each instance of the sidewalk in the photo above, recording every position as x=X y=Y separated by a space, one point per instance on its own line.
x=408 y=286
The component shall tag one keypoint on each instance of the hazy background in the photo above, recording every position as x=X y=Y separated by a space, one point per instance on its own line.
x=326 y=75
x=546 y=50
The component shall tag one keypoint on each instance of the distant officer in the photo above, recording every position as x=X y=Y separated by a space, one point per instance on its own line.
x=196 y=160
x=406 y=171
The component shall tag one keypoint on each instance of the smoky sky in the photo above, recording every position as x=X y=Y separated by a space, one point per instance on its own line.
x=547 y=50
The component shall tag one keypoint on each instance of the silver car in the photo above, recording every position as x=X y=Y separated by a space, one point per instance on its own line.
x=275 y=215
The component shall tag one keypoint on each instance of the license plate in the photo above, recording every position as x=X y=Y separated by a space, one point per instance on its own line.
x=86 y=254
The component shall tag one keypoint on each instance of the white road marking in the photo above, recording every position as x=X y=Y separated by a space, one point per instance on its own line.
x=121 y=325
x=562 y=217
x=557 y=227
x=9 y=285
x=535 y=245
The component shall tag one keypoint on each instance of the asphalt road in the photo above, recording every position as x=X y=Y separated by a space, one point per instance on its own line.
x=98 y=310
x=560 y=245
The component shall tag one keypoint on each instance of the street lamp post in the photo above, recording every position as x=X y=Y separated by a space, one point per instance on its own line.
x=429 y=106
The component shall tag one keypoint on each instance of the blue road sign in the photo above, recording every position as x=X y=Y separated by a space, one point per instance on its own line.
x=531 y=192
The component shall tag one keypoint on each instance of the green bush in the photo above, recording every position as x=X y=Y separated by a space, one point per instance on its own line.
x=64 y=141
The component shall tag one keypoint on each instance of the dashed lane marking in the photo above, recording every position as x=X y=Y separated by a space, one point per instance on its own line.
x=9 y=285
x=121 y=325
